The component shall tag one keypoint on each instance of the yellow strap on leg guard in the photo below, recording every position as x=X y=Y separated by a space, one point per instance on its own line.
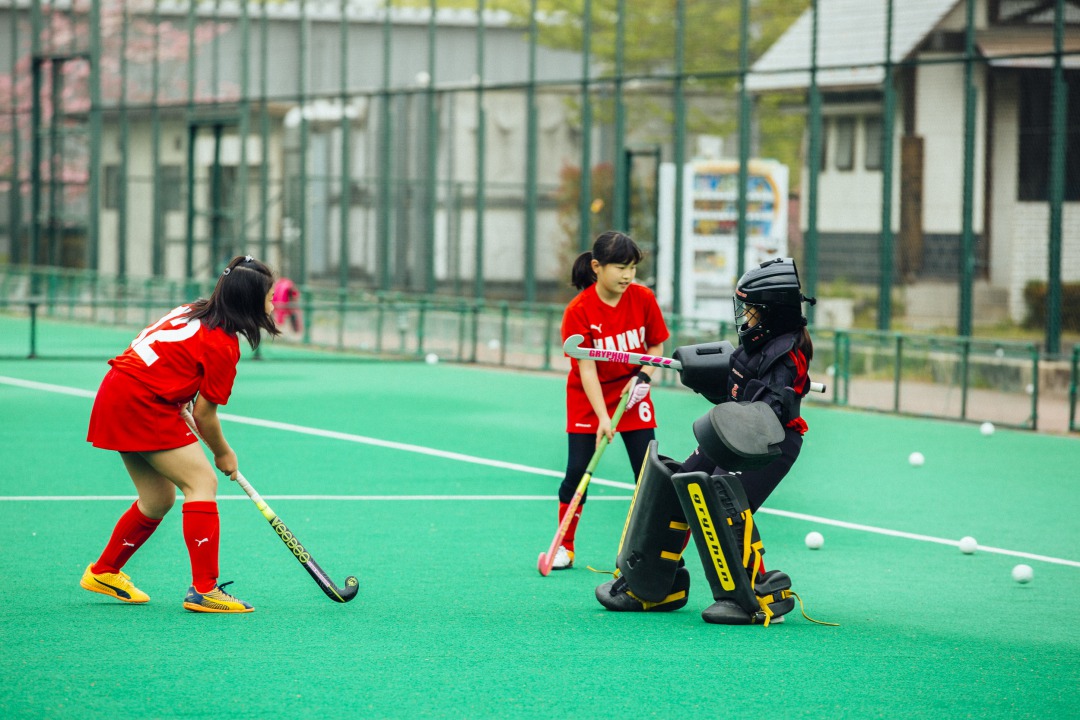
x=803 y=611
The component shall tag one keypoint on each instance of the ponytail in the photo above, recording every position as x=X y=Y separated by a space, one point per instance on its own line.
x=582 y=275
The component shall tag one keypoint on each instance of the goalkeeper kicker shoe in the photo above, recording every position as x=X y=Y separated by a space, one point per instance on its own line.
x=564 y=559
x=615 y=595
x=215 y=601
x=117 y=585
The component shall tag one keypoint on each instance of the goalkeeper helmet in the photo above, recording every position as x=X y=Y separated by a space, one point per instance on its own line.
x=768 y=302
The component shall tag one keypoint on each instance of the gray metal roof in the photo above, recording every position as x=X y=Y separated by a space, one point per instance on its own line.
x=851 y=33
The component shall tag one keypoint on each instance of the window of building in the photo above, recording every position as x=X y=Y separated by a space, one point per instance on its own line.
x=171 y=185
x=1033 y=183
x=845 y=143
x=873 y=129
x=111 y=191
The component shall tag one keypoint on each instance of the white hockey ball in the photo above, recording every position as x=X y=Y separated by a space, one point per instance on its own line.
x=968 y=545
x=431 y=359
x=916 y=459
x=987 y=428
x=1022 y=573
x=814 y=540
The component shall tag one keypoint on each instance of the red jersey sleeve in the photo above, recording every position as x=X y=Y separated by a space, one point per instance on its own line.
x=221 y=353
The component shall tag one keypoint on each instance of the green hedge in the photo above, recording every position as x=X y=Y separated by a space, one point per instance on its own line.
x=1035 y=300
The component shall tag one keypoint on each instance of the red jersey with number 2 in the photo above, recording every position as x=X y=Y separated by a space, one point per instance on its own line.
x=633 y=325
x=177 y=358
x=137 y=406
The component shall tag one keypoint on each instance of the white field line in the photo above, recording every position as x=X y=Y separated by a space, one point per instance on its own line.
x=914 y=536
x=317 y=498
x=405 y=447
x=334 y=435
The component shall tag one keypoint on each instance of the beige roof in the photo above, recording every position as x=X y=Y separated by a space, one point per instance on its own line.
x=1001 y=45
x=851 y=33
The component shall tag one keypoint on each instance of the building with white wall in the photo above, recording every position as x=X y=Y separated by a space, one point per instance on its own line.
x=1011 y=74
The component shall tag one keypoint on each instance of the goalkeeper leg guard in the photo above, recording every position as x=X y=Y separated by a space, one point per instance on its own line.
x=731 y=550
x=650 y=550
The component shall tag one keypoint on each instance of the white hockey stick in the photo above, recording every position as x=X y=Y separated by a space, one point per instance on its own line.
x=573 y=348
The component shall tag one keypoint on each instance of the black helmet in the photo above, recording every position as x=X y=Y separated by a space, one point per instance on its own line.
x=773 y=289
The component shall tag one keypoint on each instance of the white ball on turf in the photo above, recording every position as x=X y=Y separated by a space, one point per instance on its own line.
x=987 y=428
x=814 y=540
x=968 y=545
x=916 y=459
x=1022 y=573
x=431 y=358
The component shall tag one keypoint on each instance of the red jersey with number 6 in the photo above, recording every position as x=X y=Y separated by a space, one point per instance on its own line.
x=633 y=325
x=137 y=406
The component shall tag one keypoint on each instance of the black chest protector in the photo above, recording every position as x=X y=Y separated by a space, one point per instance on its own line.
x=745 y=380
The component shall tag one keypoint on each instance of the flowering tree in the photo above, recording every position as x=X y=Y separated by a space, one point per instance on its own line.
x=133 y=42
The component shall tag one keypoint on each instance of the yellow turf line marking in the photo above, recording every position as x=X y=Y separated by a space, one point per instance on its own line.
x=30 y=384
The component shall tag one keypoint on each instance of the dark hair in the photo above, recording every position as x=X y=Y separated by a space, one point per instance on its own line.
x=610 y=247
x=238 y=303
x=805 y=344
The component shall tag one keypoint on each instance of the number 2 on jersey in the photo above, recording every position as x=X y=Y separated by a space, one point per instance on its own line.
x=179 y=328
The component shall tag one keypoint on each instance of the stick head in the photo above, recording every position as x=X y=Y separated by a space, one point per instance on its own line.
x=352 y=586
x=543 y=565
x=571 y=346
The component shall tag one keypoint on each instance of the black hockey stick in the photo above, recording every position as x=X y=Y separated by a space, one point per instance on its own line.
x=341 y=595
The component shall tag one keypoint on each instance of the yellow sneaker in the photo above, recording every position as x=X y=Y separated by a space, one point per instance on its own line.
x=117 y=585
x=215 y=601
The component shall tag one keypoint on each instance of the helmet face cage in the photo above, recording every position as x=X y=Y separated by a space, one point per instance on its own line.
x=742 y=308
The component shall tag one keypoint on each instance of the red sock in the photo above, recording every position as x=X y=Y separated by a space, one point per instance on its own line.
x=568 y=538
x=131 y=531
x=201 y=527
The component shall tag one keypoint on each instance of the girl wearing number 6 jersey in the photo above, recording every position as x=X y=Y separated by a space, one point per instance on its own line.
x=611 y=312
x=190 y=354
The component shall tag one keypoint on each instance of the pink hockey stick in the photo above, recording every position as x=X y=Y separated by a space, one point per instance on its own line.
x=545 y=561
x=573 y=348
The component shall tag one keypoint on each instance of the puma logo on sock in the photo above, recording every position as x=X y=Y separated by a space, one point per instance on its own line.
x=200 y=542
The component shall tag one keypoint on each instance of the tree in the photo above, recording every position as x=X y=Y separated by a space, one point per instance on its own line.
x=131 y=38
x=711 y=52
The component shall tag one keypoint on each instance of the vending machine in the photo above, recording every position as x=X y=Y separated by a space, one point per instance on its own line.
x=708 y=256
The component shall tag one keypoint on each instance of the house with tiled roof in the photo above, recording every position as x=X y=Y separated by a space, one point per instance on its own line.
x=1012 y=70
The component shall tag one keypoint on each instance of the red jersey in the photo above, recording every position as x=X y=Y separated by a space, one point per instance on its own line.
x=137 y=407
x=176 y=358
x=633 y=325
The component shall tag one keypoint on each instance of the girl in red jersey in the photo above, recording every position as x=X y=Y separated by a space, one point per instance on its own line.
x=192 y=351
x=615 y=313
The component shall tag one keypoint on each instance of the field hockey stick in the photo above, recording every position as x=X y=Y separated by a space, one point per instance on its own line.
x=546 y=560
x=573 y=348
x=341 y=595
